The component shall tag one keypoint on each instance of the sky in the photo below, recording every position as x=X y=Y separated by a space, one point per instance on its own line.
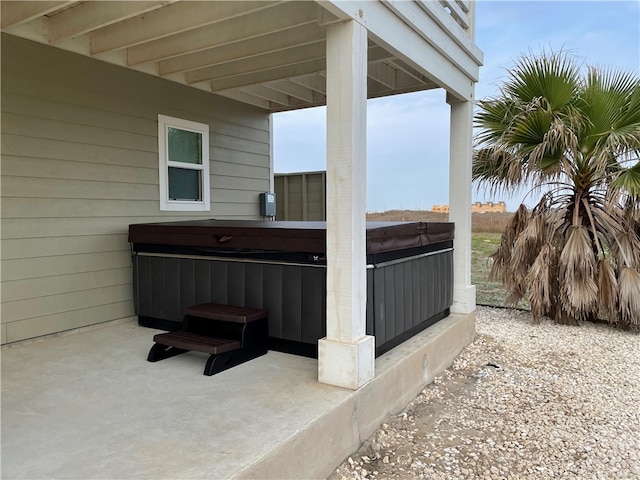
x=408 y=135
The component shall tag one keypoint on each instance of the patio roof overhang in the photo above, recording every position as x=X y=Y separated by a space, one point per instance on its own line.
x=271 y=54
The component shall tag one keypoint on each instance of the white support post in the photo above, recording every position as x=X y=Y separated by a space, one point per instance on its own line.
x=464 y=294
x=346 y=354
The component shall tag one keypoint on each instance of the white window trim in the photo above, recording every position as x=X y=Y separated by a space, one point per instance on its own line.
x=164 y=122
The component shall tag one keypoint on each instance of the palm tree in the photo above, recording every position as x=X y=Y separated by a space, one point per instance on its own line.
x=571 y=134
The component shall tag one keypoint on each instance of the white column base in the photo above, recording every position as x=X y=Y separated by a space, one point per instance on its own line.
x=348 y=365
x=464 y=299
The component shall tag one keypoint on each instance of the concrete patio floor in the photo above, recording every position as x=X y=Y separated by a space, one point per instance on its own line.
x=88 y=405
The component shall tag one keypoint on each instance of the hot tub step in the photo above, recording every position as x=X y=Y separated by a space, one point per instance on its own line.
x=231 y=334
x=196 y=342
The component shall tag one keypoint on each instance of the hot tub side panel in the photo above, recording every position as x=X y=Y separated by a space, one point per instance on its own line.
x=408 y=296
x=294 y=295
x=403 y=296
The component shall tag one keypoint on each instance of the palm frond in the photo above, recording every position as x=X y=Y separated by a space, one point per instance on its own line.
x=527 y=244
x=607 y=290
x=626 y=249
x=577 y=274
x=502 y=267
x=497 y=168
x=554 y=77
x=629 y=296
x=541 y=284
x=628 y=180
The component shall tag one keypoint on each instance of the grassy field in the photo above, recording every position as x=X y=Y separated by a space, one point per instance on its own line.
x=480 y=222
x=483 y=244
x=487 y=228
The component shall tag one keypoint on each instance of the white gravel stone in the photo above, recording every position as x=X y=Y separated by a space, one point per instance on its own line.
x=523 y=401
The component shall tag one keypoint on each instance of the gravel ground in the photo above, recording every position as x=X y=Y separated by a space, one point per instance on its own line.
x=522 y=401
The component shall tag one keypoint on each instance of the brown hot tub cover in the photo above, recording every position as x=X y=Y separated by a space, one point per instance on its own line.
x=285 y=236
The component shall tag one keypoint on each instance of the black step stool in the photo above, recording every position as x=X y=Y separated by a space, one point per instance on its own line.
x=230 y=334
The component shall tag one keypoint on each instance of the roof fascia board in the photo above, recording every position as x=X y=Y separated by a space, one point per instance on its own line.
x=404 y=41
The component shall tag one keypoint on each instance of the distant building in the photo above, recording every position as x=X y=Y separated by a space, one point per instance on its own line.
x=440 y=208
x=488 y=207
x=477 y=207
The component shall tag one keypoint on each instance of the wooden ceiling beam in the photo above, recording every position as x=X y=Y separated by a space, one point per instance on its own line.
x=245 y=97
x=278 y=18
x=410 y=71
x=292 y=89
x=278 y=73
x=383 y=73
x=272 y=42
x=316 y=83
x=281 y=58
x=170 y=20
x=18 y=12
x=262 y=91
x=88 y=16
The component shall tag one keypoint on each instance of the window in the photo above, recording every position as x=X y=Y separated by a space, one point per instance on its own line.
x=183 y=148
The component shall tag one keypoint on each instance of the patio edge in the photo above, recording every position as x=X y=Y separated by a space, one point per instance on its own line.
x=315 y=451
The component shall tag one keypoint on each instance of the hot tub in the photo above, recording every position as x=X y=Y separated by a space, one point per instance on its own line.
x=281 y=267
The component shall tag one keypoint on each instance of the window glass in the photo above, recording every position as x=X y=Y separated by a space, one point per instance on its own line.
x=184 y=184
x=184 y=146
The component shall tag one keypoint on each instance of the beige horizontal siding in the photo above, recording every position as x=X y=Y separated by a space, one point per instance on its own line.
x=225 y=170
x=54 y=110
x=230 y=136
x=240 y=145
x=31 y=167
x=61 y=284
x=220 y=155
x=60 y=322
x=51 y=246
x=26 y=187
x=70 y=208
x=80 y=164
x=236 y=183
x=14 y=228
x=229 y=210
x=29 y=146
x=33 y=126
x=26 y=268
x=65 y=302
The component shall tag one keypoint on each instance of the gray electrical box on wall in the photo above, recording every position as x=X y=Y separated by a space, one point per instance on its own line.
x=268 y=204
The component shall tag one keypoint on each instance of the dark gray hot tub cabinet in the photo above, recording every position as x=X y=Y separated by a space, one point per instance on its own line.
x=281 y=267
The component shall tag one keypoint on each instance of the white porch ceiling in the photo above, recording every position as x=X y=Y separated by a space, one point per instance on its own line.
x=266 y=53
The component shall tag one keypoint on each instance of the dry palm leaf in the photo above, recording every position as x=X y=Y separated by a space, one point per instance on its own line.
x=500 y=268
x=626 y=249
x=579 y=291
x=541 y=283
x=528 y=243
x=607 y=291
x=629 y=296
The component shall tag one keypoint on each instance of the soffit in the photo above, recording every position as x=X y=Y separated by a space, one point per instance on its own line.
x=266 y=53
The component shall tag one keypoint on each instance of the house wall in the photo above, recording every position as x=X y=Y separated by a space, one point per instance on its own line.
x=80 y=163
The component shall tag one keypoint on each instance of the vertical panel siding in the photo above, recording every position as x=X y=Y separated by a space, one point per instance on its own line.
x=172 y=287
x=401 y=296
x=273 y=301
x=300 y=196
x=80 y=163
x=314 y=304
